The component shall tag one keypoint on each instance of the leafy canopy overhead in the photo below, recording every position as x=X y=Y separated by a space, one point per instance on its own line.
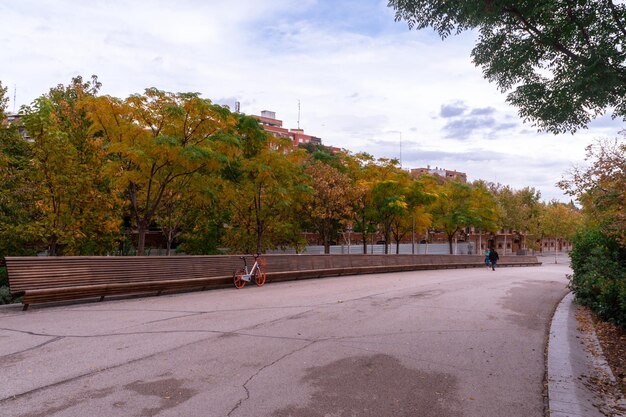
x=561 y=60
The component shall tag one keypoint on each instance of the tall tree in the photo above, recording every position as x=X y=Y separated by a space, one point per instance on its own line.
x=561 y=60
x=368 y=174
x=17 y=189
x=530 y=207
x=389 y=203
x=559 y=221
x=76 y=208
x=415 y=218
x=484 y=209
x=156 y=141
x=509 y=213
x=451 y=209
x=267 y=192
x=461 y=205
x=600 y=187
x=330 y=205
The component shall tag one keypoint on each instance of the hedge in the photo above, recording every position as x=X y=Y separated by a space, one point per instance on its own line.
x=599 y=274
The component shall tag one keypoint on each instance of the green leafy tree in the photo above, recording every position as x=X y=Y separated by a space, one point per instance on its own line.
x=485 y=214
x=599 y=254
x=600 y=187
x=194 y=216
x=529 y=206
x=461 y=205
x=414 y=217
x=267 y=191
x=17 y=189
x=390 y=205
x=451 y=210
x=561 y=60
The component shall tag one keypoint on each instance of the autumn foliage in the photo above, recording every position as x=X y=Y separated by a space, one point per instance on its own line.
x=97 y=173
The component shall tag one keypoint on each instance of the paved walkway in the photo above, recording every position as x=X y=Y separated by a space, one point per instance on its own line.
x=431 y=343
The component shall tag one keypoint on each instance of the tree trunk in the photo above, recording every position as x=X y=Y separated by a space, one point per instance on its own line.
x=168 y=248
x=53 y=245
x=326 y=242
x=364 y=234
x=258 y=244
x=142 y=228
x=387 y=235
x=450 y=237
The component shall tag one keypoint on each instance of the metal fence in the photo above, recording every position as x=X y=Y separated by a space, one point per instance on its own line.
x=461 y=248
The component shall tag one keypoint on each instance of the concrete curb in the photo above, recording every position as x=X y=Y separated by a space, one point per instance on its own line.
x=576 y=368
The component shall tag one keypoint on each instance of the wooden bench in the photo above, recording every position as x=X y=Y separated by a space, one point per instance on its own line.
x=54 y=279
x=46 y=279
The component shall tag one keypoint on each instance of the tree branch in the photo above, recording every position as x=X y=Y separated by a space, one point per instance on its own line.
x=572 y=16
x=619 y=24
x=537 y=34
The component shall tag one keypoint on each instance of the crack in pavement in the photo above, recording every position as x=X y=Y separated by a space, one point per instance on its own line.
x=245 y=384
x=87 y=374
x=277 y=320
x=132 y=361
x=218 y=332
x=54 y=339
x=165 y=319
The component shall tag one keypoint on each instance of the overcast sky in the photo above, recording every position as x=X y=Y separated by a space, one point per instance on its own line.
x=364 y=82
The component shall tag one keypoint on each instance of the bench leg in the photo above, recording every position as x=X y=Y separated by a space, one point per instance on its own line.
x=25 y=307
x=102 y=298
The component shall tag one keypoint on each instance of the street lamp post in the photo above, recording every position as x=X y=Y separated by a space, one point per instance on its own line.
x=413 y=234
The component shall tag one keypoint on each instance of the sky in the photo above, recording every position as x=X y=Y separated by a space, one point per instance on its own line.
x=362 y=81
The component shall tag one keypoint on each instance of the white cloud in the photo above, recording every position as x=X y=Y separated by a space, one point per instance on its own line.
x=358 y=75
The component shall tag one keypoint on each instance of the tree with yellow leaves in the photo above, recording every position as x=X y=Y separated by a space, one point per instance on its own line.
x=155 y=141
x=77 y=212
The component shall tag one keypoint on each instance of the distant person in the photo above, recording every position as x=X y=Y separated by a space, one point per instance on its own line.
x=493 y=258
x=487 y=263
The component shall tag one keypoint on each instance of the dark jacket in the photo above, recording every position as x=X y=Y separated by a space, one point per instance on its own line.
x=493 y=256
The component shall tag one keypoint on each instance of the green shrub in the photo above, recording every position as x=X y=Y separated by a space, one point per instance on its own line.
x=5 y=296
x=599 y=278
x=4 y=277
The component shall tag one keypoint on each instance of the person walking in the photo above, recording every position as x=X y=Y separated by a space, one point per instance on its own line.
x=487 y=263
x=493 y=258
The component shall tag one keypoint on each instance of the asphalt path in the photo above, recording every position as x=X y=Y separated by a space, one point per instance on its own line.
x=467 y=342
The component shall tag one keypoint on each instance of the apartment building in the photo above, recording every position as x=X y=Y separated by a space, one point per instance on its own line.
x=274 y=126
x=441 y=172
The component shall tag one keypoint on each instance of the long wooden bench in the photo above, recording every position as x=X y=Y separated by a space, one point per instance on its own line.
x=54 y=279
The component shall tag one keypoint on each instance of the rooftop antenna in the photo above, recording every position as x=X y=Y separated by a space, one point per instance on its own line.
x=298 y=114
x=14 y=96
